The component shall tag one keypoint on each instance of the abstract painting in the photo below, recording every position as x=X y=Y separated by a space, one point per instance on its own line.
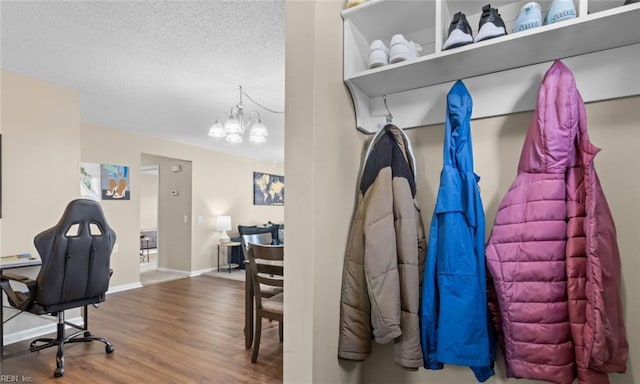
x=90 y=181
x=268 y=189
x=114 y=182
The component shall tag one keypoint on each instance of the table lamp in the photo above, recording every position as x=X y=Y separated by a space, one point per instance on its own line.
x=223 y=223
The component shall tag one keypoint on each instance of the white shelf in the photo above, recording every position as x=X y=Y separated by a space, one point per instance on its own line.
x=411 y=84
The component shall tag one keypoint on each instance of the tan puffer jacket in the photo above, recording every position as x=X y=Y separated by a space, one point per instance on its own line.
x=385 y=254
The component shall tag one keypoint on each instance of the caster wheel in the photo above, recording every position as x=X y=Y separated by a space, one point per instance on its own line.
x=58 y=372
x=109 y=348
x=87 y=334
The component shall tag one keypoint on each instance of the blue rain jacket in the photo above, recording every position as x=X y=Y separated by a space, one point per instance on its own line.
x=454 y=323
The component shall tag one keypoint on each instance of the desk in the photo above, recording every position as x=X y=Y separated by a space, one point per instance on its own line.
x=228 y=246
x=10 y=263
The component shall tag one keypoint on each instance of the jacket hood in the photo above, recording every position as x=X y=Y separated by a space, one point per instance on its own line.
x=549 y=144
x=457 y=141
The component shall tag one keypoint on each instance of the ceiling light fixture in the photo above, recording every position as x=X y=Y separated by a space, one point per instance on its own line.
x=237 y=123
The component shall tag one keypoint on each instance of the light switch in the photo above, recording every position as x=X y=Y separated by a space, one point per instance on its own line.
x=200 y=219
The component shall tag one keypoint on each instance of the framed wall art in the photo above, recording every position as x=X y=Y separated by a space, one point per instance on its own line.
x=114 y=182
x=268 y=189
x=90 y=181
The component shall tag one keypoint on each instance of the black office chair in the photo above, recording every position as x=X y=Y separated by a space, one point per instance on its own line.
x=75 y=273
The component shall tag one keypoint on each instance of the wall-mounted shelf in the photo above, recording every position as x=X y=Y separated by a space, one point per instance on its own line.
x=416 y=89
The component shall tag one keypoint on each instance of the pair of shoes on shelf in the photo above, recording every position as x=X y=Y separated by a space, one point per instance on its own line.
x=491 y=25
x=560 y=10
x=353 y=3
x=401 y=50
x=530 y=15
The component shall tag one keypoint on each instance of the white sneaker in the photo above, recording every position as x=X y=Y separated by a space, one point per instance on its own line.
x=378 y=54
x=402 y=50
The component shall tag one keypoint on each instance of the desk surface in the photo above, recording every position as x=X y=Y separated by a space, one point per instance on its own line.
x=230 y=244
x=18 y=262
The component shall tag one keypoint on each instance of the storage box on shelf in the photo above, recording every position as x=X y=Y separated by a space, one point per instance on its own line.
x=416 y=89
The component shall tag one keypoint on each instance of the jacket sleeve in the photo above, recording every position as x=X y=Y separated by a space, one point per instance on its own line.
x=380 y=259
x=429 y=307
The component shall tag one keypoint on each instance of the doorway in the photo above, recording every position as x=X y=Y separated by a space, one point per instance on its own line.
x=149 y=202
x=165 y=203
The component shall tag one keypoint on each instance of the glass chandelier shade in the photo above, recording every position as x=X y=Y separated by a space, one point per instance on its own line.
x=237 y=123
x=258 y=132
x=217 y=130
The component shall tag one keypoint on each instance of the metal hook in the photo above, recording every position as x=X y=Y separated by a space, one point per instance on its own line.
x=389 y=115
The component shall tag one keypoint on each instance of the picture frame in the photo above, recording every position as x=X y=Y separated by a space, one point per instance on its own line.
x=90 y=181
x=268 y=189
x=114 y=182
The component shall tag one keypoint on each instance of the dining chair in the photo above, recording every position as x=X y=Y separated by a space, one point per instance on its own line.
x=267 y=291
x=266 y=267
x=257 y=238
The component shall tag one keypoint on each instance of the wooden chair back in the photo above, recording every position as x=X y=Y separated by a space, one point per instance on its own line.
x=266 y=271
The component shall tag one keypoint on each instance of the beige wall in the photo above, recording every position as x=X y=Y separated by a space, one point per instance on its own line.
x=43 y=143
x=40 y=126
x=148 y=201
x=324 y=151
x=222 y=184
x=174 y=224
x=40 y=158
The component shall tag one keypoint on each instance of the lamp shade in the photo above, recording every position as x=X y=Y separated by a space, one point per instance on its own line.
x=223 y=223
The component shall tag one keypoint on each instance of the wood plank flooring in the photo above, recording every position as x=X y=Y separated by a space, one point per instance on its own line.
x=182 y=331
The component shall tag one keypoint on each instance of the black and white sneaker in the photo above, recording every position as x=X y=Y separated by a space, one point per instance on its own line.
x=459 y=32
x=491 y=24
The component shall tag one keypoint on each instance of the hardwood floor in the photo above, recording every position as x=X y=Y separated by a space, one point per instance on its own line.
x=182 y=331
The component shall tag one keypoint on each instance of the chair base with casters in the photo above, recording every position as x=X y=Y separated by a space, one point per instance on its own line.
x=81 y=336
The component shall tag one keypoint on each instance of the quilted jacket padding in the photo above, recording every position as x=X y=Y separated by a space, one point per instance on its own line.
x=553 y=254
x=384 y=259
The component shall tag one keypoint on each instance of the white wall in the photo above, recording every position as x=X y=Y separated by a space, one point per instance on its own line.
x=324 y=151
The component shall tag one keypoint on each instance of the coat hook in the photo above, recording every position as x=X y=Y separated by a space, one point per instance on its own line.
x=389 y=115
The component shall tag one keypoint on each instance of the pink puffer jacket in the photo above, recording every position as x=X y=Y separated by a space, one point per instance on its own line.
x=553 y=254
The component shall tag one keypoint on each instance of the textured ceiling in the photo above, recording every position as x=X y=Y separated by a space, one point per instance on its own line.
x=157 y=68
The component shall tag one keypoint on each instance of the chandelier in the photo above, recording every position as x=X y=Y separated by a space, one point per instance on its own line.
x=238 y=122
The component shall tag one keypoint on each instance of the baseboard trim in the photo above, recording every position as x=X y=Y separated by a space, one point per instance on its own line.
x=35 y=332
x=201 y=271
x=124 y=287
x=176 y=271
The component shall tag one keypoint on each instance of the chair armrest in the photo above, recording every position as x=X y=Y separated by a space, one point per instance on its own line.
x=18 y=300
